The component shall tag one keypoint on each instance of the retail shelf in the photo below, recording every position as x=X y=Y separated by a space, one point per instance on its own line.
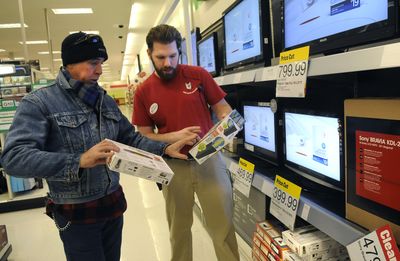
x=373 y=58
x=328 y=222
x=5 y=252
x=23 y=200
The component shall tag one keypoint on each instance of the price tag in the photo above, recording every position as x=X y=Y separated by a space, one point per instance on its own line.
x=285 y=201
x=292 y=73
x=242 y=176
x=378 y=245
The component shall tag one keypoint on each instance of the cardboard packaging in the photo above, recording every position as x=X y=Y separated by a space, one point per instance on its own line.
x=221 y=134
x=372 y=154
x=141 y=164
x=271 y=233
x=308 y=240
x=3 y=237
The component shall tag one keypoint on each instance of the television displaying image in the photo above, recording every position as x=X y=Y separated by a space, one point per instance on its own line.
x=359 y=21
x=259 y=130
x=313 y=147
x=208 y=54
x=243 y=33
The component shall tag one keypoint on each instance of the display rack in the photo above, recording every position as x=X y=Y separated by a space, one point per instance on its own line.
x=5 y=252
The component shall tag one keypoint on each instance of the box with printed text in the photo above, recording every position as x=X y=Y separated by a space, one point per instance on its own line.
x=140 y=163
x=221 y=134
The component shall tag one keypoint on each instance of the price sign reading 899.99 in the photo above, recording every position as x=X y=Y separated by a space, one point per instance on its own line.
x=285 y=201
x=292 y=73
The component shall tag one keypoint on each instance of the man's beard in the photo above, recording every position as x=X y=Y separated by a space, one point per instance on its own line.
x=161 y=72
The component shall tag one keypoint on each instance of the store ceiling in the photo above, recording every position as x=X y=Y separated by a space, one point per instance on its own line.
x=106 y=18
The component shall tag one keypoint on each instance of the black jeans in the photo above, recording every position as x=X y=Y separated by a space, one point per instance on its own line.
x=86 y=242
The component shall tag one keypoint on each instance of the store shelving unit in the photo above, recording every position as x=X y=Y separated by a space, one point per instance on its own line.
x=369 y=59
x=12 y=88
x=5 y=252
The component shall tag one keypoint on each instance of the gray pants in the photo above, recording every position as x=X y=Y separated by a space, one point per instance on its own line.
x=211 y=182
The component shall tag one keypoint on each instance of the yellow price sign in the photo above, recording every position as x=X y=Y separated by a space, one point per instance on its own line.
x=246 y=165
x=287 y=186
x=295 y=55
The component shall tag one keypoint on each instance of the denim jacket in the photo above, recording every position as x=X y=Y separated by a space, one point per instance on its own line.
x=53 y=127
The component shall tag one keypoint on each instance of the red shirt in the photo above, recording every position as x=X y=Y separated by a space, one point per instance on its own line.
x=174 y=104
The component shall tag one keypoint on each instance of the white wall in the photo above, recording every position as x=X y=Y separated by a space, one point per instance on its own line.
x=209 y=12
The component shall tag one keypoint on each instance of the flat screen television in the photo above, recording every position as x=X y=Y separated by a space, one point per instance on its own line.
x=260 y=131
x=195 y=36
x=313 y=147
x=334 y=25
x=208 y=54
x=244 y=32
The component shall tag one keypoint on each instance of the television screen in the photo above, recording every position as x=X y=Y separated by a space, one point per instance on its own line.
x=207 y=54
x=243 y=34
x=313 y=147
x=184 y=57
x=309 y=20
x=259 y=130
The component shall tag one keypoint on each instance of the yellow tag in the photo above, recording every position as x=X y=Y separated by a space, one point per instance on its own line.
x=295 y=55
x=287 y=186
x=246 y=165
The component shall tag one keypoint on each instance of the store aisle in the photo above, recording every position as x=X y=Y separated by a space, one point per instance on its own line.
x=34 y=237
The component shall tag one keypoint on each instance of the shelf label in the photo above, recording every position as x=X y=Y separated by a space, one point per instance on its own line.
x=242 y=176
x=292 y=73
x=285 y=201
x=378 y=245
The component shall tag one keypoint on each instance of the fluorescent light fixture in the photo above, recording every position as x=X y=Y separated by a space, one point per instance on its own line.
x=72 y=11
x=19 y=58
x=7 y=69
x=8 y=26
x=2 y=50
x=35 y=42
x=86 y=32
x=134 y=15
x=54 y=52
x=57 y=60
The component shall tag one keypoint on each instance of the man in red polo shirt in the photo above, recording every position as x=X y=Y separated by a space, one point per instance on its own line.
x=175 y=99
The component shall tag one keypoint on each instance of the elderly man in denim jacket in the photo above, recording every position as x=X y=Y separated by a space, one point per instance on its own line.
x=58 y=134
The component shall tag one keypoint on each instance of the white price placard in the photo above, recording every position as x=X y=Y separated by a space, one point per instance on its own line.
x=242 y=176
x=285 y=201
x=378 y=245
x=292 y=73
x=292 y=78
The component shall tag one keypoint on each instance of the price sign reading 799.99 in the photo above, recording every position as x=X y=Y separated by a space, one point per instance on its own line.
x=292 y=73
x=285 y=201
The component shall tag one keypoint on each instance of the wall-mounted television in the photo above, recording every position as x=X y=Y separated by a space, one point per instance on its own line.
x=195 y=36
x=330 y=26
x=245 y=26
x=260 y=131
x=208 y=54
x=313 y=147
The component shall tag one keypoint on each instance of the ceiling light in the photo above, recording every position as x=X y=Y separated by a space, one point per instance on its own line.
x=16 y=25
x=57 y=60
x=86 y=32
x=35 y=42
x=2 y=50
x=134 y=15
x=54 y=52
x=19 y=58
x=73 y=11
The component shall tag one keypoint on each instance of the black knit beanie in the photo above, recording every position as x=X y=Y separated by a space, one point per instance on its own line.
x=79 y=47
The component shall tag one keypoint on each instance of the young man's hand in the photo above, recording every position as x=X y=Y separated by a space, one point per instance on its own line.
x=98 y=154
x=173 y=149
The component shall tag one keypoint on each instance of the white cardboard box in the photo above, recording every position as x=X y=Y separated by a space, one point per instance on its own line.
x=217 y=137
x=140 y=163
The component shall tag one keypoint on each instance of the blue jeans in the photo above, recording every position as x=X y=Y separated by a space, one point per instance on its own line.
x=86 y=242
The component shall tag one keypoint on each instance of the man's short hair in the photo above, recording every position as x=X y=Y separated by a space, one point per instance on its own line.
x=164 y=34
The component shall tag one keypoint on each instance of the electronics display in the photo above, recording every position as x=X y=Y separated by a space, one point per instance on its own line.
x=335 y=24
x=259 y=130
x=208 y=54
x=243 y=33
x=313 y=148
x=184 y=59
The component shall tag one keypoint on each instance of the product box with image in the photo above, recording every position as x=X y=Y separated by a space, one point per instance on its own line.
x=140 y=163
x=308 y=240
x=221 y=134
